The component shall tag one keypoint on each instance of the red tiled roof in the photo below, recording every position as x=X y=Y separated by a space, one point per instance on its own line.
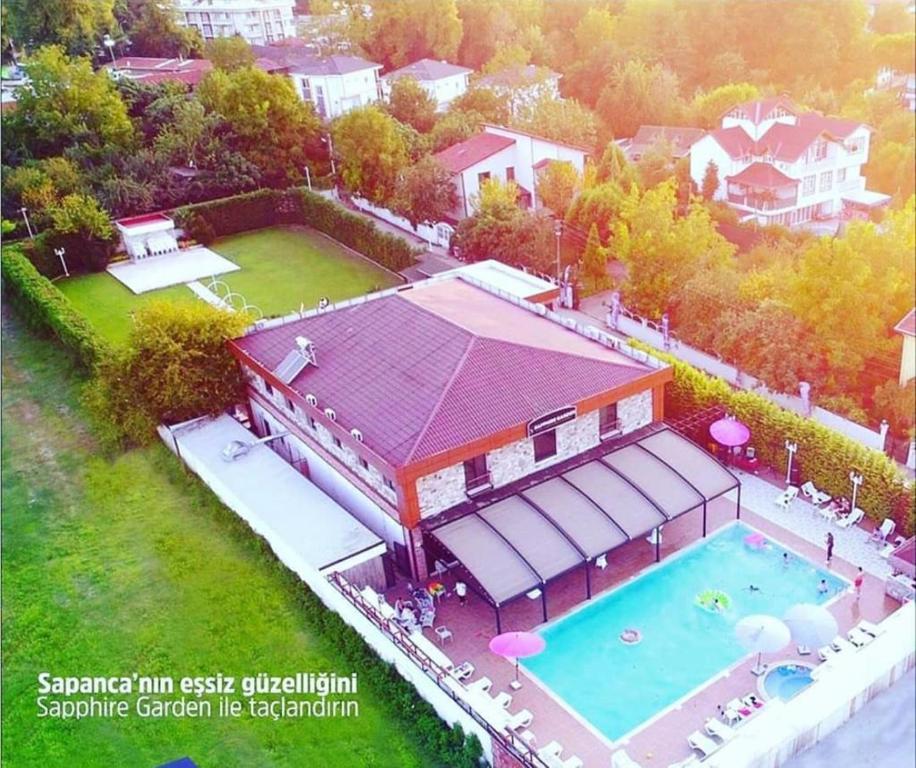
x=152 y=71
x=734 y=140
x=461 y=156
x=908 y=324
x=143 y=218
x=435 y=368
x=762 y=175
x=782 y=140
x=757 y=111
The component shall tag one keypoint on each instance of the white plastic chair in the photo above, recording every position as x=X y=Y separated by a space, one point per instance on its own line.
x=851 y=519
x=786 y=497
x=879 y=535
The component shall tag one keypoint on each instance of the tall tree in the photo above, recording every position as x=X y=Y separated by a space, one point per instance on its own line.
x=410 y=103
x=229 y=53
x=557 y=186
x=154 y=31
x=710 y=181
x=402 y=31
x=564 y=120
x=594 y=261
x=660 y=249
x=709 y=106
x=272 y=125
x=426 y=193
x=639 y=94
x=67 y=104
x=373 y=153
x=77 y=25
x=485 y=102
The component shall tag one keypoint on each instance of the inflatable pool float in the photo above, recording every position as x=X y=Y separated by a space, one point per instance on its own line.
x=755 y=541
x=630 y=636
x=714 y=600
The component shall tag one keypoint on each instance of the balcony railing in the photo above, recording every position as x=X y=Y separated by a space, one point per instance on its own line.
x=760 y=202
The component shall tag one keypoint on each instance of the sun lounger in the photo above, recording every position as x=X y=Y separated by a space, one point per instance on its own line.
x=826 y=653
x=872 y=629
x=786 y=497
x=502 y=699
x=853 y=518
x=858 y=637
x=464 y=670
x=809 y=490
x=620 y=759
x=719 y=729
x=519 y=720
x=740 y=708
x=553 y=749
x=481 y=685
x=570 y=762
x=702 y=743
x=880 y=534
x=841 y=644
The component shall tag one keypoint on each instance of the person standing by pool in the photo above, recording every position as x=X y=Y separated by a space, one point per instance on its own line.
x=829 y=547
x=857 y=584
x=461 y=589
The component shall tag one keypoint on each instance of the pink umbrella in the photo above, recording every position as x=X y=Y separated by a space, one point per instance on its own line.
x=729 y=432
x=517 y=645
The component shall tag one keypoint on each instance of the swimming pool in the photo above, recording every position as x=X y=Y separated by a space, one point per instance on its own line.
x=786 y=680
x=617 y=686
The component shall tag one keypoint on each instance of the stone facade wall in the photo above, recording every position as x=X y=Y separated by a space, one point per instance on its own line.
x=441 y=490
x=371 y=475
x=635 y=411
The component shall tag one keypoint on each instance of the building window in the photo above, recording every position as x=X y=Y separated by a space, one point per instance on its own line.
x=482 y=177
x=826 y=181
x=476 y=475
x=337 y=443
x=809 y=187
x=608 y=423
x=820 y=150
x=267 y=388
x=545 y=445
x=311 y=422
x=510 y=173
x=289 y=404
x=363 y=463
x=841 y=176
x=389 y=484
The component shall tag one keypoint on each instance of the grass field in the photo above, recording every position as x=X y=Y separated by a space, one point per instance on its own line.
x=281 y=269
x=125 y=564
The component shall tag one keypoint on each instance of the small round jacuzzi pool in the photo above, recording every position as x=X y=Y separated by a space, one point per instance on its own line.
x=785 y=680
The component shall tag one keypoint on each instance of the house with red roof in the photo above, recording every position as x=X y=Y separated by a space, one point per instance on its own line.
x=506 y=154
x=407 y=403
x=779 y=165
x=907 y=328
x=153 y=71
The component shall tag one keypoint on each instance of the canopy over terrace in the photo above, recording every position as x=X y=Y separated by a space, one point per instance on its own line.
x=519 y=543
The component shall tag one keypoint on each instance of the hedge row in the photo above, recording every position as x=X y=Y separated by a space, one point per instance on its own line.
x=824 y=456
x=269 y=207
x=46 y=309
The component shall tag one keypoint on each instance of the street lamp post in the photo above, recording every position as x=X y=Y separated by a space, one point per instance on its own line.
x=308 y=178
x=109 y=42
x=558 y=231
x=330 y=142
x=59 y=252
x=28 y=225
x=856 y=479
x=791 y=448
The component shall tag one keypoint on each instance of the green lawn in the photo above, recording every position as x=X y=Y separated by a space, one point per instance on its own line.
x=115 y=565
x=281 y=269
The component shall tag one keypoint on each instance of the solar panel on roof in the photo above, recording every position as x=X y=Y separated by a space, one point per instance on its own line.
x=291 y=366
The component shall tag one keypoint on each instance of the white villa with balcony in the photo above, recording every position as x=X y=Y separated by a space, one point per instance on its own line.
x=258 y=21
x=778 y=165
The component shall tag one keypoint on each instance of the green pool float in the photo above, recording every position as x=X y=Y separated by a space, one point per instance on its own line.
x=714 y=600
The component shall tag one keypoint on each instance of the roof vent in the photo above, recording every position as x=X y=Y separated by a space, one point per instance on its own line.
x=311 y=400
x=331 y=414
x=296 y=361
x=357 y=435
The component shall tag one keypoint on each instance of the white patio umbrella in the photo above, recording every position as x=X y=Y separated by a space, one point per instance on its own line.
x=764 y=634
x=811 y=626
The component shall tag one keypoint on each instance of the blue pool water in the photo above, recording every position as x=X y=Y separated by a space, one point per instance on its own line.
x=615 y=686
x=784 y=681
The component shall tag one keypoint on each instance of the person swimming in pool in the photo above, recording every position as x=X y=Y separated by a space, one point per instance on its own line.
x=822 y=587
x=753 y=588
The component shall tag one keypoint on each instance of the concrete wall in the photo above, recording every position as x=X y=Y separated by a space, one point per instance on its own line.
x=436 y=234
x=908 y=360
x=446 y=488
x=341 y=92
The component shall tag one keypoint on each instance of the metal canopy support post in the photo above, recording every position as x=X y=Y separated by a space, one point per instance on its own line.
x=499 y=626
x=704 y=519
x=588 y=580
x=738 y=504
x=658 y=545
x=544 y=601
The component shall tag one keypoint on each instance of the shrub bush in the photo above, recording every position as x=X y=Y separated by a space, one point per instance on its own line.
x=47 y=310
x=824 y=456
